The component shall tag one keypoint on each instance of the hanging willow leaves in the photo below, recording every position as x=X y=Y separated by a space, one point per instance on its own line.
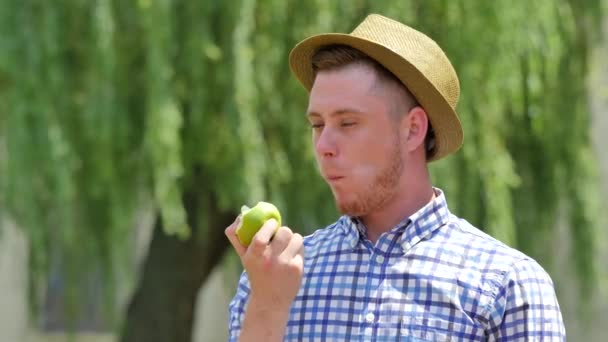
x=106 y=105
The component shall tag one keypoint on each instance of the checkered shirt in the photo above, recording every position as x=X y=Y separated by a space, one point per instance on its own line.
x=433 y=277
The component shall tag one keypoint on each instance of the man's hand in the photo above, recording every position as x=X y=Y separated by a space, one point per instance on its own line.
x=274 y=269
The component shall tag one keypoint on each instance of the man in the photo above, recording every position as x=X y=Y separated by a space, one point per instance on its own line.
x=397 y=265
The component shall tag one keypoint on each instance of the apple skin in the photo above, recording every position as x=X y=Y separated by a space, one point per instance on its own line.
x=252 y=219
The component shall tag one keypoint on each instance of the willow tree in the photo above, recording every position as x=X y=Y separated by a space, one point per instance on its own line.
x=189 y=108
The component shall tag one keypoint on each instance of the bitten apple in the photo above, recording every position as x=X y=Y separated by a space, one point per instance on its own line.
x=252 y=219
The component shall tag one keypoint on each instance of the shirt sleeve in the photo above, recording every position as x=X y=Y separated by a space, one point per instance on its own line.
x=237 y=308
x=526 y=307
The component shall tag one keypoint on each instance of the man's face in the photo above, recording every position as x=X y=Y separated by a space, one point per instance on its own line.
x=357 y=142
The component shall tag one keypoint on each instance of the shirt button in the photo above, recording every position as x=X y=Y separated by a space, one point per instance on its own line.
x=369 y=317
x=380 y=259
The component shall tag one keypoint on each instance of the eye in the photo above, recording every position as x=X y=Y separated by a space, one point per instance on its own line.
x=348 y=123
x=316 y=125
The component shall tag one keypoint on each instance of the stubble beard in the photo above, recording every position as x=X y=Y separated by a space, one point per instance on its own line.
x=380 y=191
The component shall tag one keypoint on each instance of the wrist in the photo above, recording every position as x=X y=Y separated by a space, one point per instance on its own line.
x=264 y=321
x=268 y=305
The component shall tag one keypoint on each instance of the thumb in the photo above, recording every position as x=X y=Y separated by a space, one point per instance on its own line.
x=230 y=232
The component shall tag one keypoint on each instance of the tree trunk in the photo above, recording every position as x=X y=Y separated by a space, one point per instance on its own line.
x=162 y=308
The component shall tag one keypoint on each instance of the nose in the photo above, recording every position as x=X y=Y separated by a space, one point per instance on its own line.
x=325 y=144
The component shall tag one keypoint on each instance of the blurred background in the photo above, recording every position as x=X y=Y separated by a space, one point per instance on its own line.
x=131 y=132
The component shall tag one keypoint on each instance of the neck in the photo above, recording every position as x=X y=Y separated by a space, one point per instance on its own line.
x=413 y=193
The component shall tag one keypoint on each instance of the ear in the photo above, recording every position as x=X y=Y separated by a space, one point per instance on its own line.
x=414 y=126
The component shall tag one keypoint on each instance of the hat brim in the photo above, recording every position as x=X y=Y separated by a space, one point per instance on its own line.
x=443 y=118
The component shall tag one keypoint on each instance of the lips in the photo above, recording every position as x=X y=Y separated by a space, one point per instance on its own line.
x=333 y=178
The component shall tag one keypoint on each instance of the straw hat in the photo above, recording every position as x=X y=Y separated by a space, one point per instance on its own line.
x=412 y=56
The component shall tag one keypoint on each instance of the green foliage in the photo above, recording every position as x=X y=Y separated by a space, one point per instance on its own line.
x=108 y=103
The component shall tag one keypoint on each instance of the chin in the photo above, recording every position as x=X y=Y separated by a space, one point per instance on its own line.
x=350 y=207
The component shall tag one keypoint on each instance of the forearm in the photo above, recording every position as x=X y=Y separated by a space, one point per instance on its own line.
x=263 y=323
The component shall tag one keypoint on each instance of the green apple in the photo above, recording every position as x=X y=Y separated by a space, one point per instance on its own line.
x=252 y=219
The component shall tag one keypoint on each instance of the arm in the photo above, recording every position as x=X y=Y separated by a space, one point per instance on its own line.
x=526 y=307
x=267 y=289
x=263 y=323
x=249 y=318
x=236 y=308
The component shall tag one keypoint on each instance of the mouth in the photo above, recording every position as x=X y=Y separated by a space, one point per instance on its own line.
x=334 y=179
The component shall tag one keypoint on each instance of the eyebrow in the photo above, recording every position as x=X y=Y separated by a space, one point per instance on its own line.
x=337 y=112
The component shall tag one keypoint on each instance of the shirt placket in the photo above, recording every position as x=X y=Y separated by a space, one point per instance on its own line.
x=369 y=317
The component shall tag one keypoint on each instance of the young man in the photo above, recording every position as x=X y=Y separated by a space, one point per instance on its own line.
x=397 y=265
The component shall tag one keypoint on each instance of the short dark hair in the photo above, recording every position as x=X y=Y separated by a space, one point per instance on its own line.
x=332 y=57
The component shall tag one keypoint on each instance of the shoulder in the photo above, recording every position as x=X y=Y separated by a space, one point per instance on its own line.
x=516 y=281
x=481 y=246
x=493 y=260
x=331 y=238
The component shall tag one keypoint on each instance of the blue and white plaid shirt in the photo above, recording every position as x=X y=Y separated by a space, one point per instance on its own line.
x=433 y=277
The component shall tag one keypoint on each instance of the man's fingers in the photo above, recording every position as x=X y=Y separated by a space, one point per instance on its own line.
x=295 y=246
x=262 y=237
x=234 y=240
x=281 y=240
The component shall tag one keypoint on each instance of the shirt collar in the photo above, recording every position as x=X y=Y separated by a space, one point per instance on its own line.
x=413 y=229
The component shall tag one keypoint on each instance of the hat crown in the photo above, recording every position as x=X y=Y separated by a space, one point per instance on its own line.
x=415 y=47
